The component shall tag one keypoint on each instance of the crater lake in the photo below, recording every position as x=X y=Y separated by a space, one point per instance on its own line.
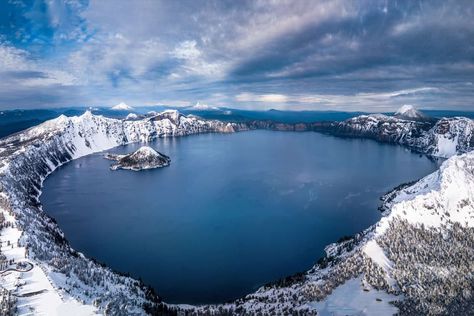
x=231 y=213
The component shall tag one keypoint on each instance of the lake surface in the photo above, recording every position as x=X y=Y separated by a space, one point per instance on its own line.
x=232 y=211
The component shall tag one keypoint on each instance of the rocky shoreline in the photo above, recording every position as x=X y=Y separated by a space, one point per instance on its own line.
x=28 y=157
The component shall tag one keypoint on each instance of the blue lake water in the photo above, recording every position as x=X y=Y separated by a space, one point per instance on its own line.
x=231 y=213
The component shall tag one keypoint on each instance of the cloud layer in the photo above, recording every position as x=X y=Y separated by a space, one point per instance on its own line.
x=323 y=55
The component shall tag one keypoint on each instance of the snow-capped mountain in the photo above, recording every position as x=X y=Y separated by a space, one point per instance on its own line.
x=420 y=253
x=122 y=107
x=409 y=112
x=143 y=158
x=203 y=107
x=131 y=116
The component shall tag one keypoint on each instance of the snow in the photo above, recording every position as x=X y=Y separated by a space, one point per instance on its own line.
x=438 y=198
x=404 y=109
x=174 y=114
x=143 y=158
x=373 y=250
x=409 y=111
x=351 y=299
x=36 y=294
x=131 y=116
x=446 y=147
x=122 y=107
x=48 y=300
x=203 y=107
x=376 y=253
x=146 y=150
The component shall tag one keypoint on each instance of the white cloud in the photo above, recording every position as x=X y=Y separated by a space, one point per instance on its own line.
x=270 y=98
x=186 y=50
x=12 y=59
x=299 y=54
x=194 y=63
x=398 y=93
x=114 y=54
x=20 y=69
x=383 y=101
x=276 y=19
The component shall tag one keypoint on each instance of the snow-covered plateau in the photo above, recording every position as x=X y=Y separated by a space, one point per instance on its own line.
x=420 y=255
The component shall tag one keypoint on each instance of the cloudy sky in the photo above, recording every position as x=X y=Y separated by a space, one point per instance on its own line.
x=301 y=54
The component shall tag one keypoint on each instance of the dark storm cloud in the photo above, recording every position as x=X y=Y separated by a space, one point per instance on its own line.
x=355 y=55
x=411 y=35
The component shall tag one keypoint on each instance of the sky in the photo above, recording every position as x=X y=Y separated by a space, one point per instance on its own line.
x=343 y=55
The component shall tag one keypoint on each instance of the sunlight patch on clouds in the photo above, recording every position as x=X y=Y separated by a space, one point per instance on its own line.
x=272 y=98
x=392 y=94
x=277 y=19
x=365 y=100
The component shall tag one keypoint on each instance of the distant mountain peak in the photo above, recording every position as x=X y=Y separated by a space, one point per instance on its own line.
x=203 y=107
x=408 y=111
x=122 y=107
x=131 y=116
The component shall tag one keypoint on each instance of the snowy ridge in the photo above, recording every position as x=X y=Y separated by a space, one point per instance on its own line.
x=443 y=138
x=443 y=197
